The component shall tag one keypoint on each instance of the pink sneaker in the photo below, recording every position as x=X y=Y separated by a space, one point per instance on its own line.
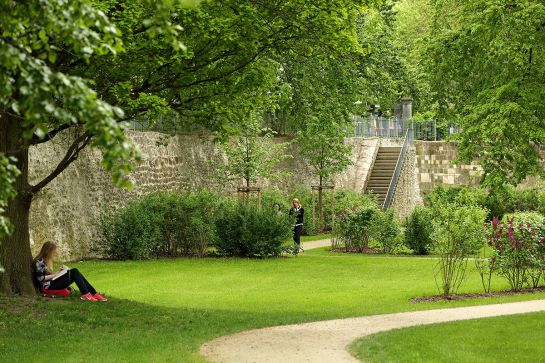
x=88 y=297
x=99 y=297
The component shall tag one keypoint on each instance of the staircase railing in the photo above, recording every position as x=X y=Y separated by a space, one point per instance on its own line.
x=399 y=167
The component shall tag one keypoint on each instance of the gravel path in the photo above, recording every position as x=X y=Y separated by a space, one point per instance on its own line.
x=327 y=341
x=317 y=244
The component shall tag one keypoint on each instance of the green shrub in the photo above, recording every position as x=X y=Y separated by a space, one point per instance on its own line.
x=498 y=202
x=519 y=249
x=355 y=228
x=418 y=230
x=444 y=194
x=270 y=197
x=344 y=200
x=458 y=232
x=534 y=218
x=245 y=231
x=386 y=231
x=160 y=225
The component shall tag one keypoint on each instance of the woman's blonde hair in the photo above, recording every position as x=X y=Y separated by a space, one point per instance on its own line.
x=295 y=200
x=46 y=253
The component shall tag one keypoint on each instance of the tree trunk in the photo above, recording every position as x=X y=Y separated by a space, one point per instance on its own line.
x=320 y=209
x=15 y=254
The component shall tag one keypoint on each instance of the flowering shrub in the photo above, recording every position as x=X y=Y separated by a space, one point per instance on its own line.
x=519 y=251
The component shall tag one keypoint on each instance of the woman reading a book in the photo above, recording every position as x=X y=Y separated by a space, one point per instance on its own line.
x=62 y=279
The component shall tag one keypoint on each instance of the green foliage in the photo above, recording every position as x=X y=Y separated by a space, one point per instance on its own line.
x=327 y=85
x=533 y=218
x=443 y=194
x=360 y=224
x=252 y=155
x=500 y=201
x=458 y=232
x=41 y=94
x=387 y=232
x=322 y=144
x=355 y=228
x=418 y=230
x=160 y=225
x=344 y=200
x=519 y=249
x=486 y=70
x=270 y=197
x=8 y=175
x=245 y=231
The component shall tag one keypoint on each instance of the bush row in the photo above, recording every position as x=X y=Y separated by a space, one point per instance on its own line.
x=180 y=224
x=497 y=202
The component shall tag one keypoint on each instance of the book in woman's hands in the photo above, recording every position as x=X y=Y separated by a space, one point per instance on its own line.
x=64 y=270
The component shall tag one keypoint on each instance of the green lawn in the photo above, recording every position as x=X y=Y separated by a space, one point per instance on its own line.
x=316 y=237
x=517 y=338
x=164 y=310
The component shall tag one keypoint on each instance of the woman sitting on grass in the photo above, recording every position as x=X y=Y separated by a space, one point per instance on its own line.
x=49 y=280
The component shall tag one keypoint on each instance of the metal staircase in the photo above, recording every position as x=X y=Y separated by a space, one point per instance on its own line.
x=386 y=170
x=383 y=171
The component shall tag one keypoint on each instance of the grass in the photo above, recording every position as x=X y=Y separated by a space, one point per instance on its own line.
x=517 y=338
x=162 y=311
x=317 y=237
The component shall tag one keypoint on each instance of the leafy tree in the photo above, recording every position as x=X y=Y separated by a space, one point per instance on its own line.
x=37 y=100
x=90 y=66
x=487 y=69
x=322 y=145
x=326 y=86
x=252 y=155
x=412 y=32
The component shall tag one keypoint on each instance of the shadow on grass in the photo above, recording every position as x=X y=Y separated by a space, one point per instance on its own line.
x=119 y=330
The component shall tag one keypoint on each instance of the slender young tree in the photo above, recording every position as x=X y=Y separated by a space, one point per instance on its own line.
x=322 y=144
x=252 y=155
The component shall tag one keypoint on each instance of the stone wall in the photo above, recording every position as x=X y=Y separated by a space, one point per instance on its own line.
x=436 y=165
x=406 y=195
x=67 y=210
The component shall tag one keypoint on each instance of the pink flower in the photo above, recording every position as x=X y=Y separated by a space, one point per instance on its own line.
x=495 y=222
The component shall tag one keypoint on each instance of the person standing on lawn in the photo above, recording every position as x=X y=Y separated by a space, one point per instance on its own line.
x=298 y=213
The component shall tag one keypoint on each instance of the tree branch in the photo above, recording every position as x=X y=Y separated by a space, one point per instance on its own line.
x=50 y=135
x=71 y=155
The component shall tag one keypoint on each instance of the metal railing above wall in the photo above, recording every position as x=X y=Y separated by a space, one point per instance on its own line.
x=398 y=168
x=375 y=126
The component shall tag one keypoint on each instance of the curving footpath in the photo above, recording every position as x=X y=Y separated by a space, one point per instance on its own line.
x=327 y=341
x=316 y=244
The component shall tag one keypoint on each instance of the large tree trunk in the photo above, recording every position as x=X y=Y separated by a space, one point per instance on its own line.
x=15 y=254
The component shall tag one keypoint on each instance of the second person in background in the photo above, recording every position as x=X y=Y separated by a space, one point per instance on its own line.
x=298 y=213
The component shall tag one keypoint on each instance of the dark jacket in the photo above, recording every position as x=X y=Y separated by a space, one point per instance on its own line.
x=299 y=215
